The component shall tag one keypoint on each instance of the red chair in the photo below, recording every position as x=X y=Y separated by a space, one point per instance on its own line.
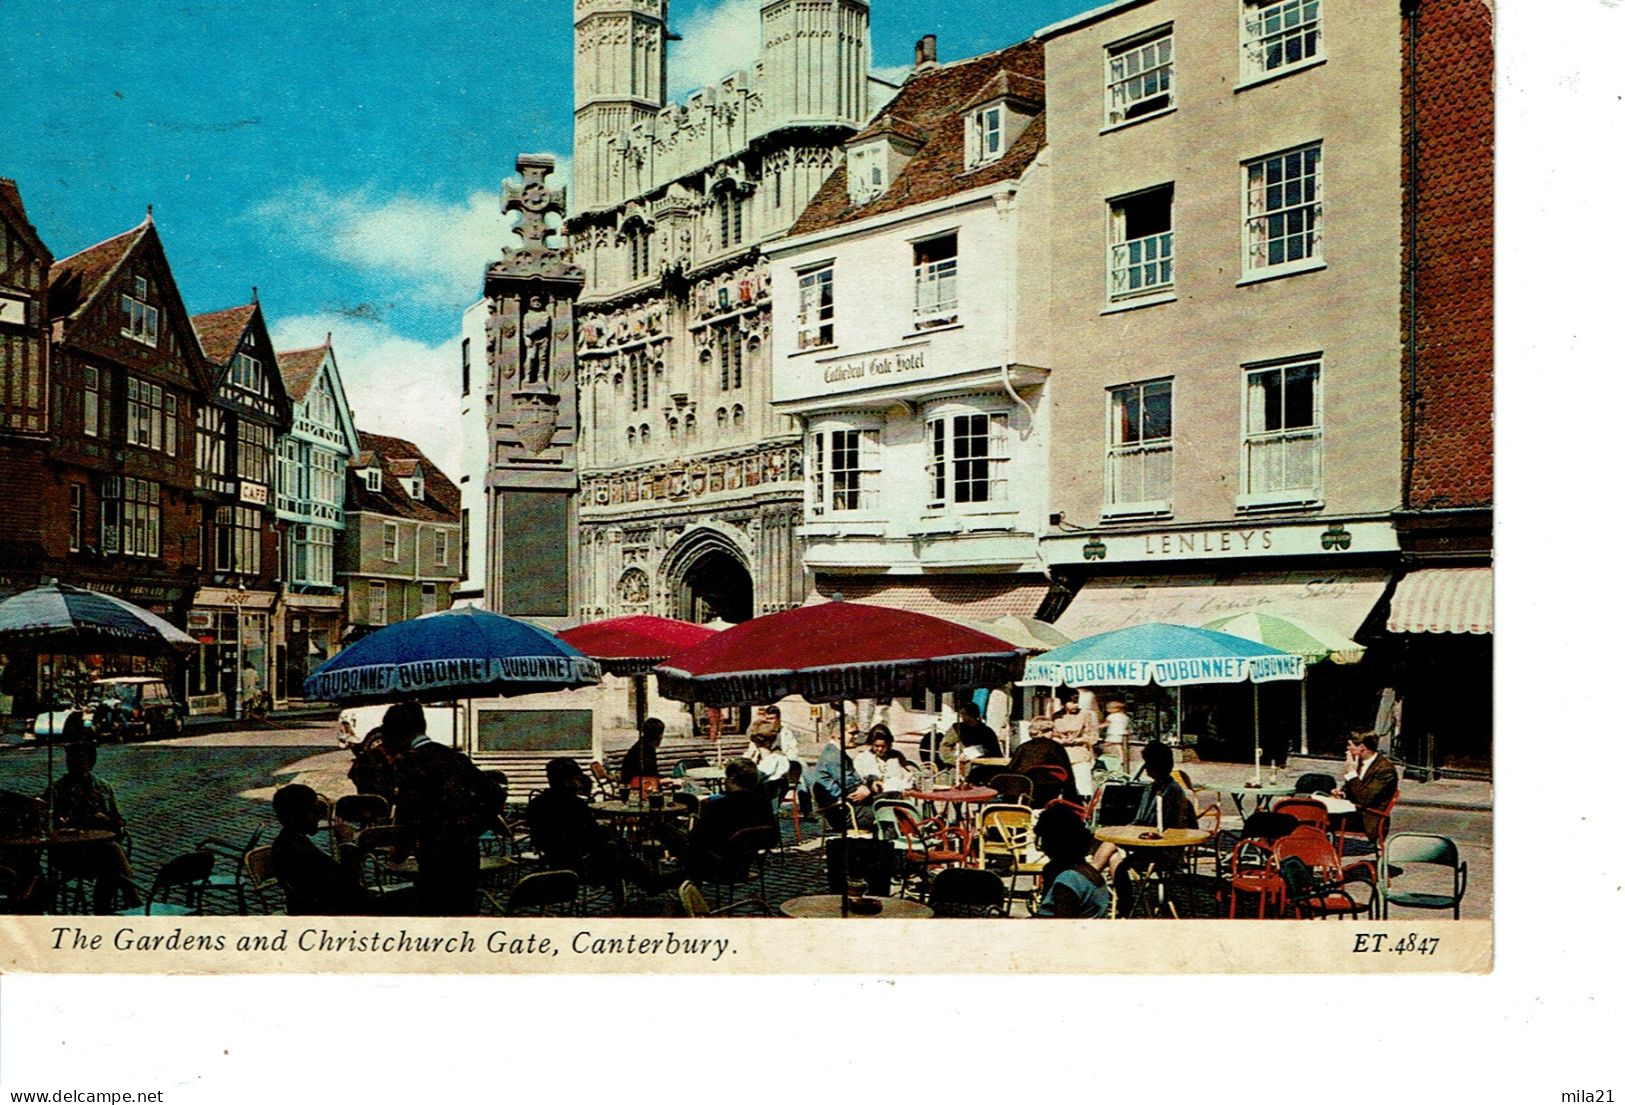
x=1306 y=810
x=1324 y=893
x=1255 y=870
x=1352 y=826
x=929 y=844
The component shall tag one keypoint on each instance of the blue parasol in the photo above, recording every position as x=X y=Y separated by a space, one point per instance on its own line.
x=1167 y=655
x=461 y=653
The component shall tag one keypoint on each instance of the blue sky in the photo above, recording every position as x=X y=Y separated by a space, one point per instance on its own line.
x=345 y=158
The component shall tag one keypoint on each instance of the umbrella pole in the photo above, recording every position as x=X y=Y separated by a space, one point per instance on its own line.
x=1258 y=743
x=846 y=839
x=1303 y=715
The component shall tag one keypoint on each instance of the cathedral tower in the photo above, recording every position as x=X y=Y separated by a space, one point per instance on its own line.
x=620 y=81
x=815 y=61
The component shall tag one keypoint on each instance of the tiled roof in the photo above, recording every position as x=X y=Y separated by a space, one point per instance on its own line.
x=220 y=331
x=440 y=503
x=299 y=367
x=12 y=200
x=76 y=280
x=932 y=101
x=889 y=123
x=1005 y=83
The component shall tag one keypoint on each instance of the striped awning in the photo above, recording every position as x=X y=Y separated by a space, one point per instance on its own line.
x=1444 y=600
x=981 y=598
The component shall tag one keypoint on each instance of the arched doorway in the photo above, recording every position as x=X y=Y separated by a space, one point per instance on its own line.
x=713 y=585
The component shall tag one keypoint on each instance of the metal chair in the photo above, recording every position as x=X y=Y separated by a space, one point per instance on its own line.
x=1421 y=850
x=603 y=783
x=188 y=874
x=1255 y=870
x=1012 y=788
x=1352 y=826
x=1312 y=878
x=967 y=892
x=233 y=855
x=1006 y=842
x=792 y=794
x=354 y=812
x=683 y=766
x=1314 y=782
x=929 y=844
x=539 y=893
x=1306 y=810
x=742 y=855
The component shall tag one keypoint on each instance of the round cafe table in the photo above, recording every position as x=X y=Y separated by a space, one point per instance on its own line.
x=953 y=797
x=1260 y=794
x=1167 y=842
x=829 y=905
x=709 y=777
x=61 y=838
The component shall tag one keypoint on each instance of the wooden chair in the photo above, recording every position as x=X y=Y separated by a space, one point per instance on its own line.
x=258 y=873
x=695 y=905
x=1006 y=842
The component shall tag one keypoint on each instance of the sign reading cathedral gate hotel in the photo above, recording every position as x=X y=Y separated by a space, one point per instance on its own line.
x=875 y=370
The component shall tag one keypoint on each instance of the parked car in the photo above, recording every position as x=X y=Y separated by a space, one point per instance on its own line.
x=133 y=707
x=355 y=722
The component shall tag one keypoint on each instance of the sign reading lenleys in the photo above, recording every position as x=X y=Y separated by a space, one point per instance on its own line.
x=879 y=368
x=1313 y=538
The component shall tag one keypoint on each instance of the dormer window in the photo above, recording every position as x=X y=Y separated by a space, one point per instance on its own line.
x=866 y=172
x=373 y=478
x=987 y=138
x=413 y=485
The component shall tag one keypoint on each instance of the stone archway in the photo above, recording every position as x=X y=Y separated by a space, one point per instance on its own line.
x=707 y=577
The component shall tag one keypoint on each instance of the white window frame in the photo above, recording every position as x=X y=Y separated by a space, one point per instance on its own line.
x=950 y=458
x=374 y=479
x=391 y=543
x=140 y=318
x=1126 y=458
x=866 y=172
x=377 y=602
x=815 y=321
x=442 y=547
x=936 y=283
x=1139 y=70
x=1149 y=258
x=1261 y=446
x=1268 y=211
x=861 y=495
x=987 y=133
x=93 y=401
x=1292 y=28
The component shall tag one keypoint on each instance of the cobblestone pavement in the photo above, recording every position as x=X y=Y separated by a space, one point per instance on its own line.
x=218 y=785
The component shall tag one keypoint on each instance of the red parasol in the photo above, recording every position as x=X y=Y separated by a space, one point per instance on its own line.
x=635 y=643
x=836 y=651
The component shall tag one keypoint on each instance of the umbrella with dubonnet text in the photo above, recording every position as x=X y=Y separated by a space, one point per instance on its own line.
x=836 y=651
x=1169 y=656
x=461 y=653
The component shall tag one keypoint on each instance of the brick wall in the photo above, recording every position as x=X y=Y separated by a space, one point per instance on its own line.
x=1453 y=75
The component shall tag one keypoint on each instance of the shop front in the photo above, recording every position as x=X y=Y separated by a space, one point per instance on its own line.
x=313 y=626
x=1334 y=576
x=233 y=660
x=1443 y=621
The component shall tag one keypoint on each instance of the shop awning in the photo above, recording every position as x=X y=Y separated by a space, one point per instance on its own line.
x=978 y=597
x=1444 y=600
x=1339 y=601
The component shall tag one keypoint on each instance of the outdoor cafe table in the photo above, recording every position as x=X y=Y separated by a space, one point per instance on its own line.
x=708 y=777
x=829 y=905
x=954 y=796
x=1134 y=837
x=61 y=838
x=1260 y=794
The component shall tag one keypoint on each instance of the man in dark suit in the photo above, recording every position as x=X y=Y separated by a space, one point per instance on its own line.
x=1369 y=781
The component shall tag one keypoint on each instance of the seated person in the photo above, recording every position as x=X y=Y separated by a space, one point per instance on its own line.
x=741 y=805
x=1043 y=760
x=772 y=765
x=312 y=881
x=567 y=835
x=834 y=780
x=1370 y=782
x=641 y=760
x=970 y=738
x=882 y=767
x=373 y=771
x=1178 y=812
x=80 y=800
x=1073 y=887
